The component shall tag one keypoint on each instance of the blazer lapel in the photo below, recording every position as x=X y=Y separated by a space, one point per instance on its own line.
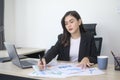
x=82 y=47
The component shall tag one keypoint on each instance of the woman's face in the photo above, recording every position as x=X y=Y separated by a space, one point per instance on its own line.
x=72 y=24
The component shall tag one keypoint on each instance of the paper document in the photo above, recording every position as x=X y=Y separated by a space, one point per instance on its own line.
x=64 y=70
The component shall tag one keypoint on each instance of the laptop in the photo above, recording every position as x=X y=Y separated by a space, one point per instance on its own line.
x=12 y=52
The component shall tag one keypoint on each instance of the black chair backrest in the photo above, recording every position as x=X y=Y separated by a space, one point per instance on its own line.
x=98 y=43
x=90 y=28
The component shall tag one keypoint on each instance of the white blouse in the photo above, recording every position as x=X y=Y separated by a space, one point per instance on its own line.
x=74 y=49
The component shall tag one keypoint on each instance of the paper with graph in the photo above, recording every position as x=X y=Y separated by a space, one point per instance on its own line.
x=64 y=70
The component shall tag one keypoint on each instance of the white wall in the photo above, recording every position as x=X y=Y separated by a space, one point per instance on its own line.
x=9 y=20
x=36 y=23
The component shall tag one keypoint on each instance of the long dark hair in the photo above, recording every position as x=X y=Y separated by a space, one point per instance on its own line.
x=66 y=35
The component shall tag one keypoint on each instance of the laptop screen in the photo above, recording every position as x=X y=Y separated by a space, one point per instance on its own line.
x=12 y=53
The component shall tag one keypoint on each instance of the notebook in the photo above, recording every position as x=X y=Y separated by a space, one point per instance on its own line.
x=12 y=52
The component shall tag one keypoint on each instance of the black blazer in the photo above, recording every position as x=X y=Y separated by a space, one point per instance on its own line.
x=87 y=49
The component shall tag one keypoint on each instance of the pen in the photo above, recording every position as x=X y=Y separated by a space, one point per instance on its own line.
x=40 y=59
x=44 y=67
x=115 y=58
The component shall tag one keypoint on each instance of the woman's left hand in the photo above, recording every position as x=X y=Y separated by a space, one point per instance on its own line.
x=85 y=63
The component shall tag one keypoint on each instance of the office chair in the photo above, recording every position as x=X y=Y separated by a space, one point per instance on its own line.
x=98 y=43
x=91 y=27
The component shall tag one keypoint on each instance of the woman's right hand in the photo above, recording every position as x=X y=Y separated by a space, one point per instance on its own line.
x=42 y=64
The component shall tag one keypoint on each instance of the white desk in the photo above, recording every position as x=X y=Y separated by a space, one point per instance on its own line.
x=9 y=68
x=22 y=51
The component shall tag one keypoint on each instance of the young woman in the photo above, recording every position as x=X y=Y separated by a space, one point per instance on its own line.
x=75 y=44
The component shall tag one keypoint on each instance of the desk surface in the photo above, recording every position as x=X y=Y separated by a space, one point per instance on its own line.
x=9 y=68
x=21 y=51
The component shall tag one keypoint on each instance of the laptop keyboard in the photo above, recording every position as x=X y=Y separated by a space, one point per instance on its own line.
x=26 y=63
